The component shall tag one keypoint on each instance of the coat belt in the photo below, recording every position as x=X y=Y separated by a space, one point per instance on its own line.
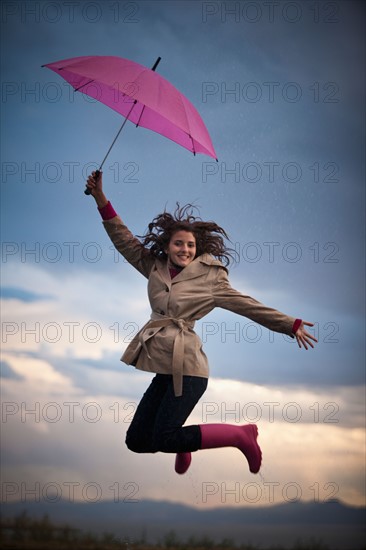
x=158 y=322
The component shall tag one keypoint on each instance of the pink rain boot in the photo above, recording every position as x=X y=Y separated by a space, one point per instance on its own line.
x=182 y=462
x=226 y=435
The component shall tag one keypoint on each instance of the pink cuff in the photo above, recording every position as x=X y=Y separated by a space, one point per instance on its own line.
x=107 y=212
x=296 y=325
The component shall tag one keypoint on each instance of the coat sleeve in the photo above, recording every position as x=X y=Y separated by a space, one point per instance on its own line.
x=129 y=246
x=228 y=298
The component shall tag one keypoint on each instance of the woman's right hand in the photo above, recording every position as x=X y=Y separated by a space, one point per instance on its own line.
x=95 y=184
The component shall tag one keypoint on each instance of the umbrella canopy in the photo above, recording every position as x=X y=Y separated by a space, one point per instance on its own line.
x=141 y=95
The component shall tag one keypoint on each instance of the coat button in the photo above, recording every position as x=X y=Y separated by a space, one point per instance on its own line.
x=162 y=312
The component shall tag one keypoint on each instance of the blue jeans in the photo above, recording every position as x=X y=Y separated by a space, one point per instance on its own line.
x=158 y=420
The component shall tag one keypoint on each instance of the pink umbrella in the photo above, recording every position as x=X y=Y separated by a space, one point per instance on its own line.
x=140 y=95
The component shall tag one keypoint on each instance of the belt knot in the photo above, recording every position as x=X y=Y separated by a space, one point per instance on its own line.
x=156 y=323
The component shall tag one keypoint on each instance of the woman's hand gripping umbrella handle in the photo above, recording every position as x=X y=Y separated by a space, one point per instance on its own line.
x=94 y=186
x=88 y=190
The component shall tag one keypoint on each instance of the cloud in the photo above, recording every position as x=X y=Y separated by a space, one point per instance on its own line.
x=55 y=431
x=37 y=374
x=92 y=318
x=10 y=293
x=87 y=317
x=8 y=372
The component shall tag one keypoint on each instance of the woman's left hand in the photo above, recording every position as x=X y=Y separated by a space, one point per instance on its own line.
x=303 y=337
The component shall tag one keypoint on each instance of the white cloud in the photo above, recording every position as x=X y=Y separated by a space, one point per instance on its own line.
x=86 y=317
x=36 y=371
x=56 y=432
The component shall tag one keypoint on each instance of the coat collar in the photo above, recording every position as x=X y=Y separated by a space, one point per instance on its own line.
x=198 y=267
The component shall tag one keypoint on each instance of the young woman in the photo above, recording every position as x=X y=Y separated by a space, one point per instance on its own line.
x=184 y=260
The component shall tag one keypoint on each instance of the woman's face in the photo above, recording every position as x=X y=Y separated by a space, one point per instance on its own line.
x=181 y=250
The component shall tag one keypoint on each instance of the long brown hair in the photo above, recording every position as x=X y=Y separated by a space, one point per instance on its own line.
x=209 y=236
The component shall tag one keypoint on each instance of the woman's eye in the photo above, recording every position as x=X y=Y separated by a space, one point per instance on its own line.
x=180 y=243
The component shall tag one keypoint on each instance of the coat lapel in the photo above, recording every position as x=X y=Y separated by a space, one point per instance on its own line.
x=198 y=267
x=162 y=268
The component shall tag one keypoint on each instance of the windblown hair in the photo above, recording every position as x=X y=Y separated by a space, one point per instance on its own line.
x=209 y=236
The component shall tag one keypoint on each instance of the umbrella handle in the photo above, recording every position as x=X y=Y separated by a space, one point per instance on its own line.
x=87 y=190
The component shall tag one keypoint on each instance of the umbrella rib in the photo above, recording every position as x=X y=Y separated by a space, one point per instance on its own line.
x=82 y=86
x=188 y=126
x=142 y=112
x=194 y=152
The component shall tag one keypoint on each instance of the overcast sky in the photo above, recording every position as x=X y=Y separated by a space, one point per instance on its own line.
x=280 y=86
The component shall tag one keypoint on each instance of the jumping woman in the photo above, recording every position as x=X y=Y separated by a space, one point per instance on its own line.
x=185 y=261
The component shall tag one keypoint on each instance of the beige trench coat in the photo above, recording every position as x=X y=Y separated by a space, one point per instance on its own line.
x=167 y=343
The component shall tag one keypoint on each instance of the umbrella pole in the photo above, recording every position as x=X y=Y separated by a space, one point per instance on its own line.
x=97 y=172
x=118 y=133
